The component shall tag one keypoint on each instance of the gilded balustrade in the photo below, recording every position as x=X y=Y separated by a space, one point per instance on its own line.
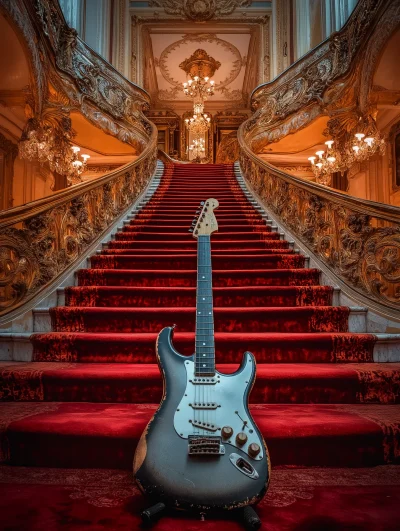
x=44 y=240
x=356 y=241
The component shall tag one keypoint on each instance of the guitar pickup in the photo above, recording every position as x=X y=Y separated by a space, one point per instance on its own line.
x=199 y=405
x=204 y=425
x=204 y=445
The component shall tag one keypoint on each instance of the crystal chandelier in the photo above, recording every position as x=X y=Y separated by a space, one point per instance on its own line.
x=46 y=144
x=199 y=88
x=200 y=67
x=357 y=148
x=197 y=149
x=199 y=124
x=77 y=166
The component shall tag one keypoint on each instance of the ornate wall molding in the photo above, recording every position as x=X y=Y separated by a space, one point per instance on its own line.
x=199 y=10
x=40 y=241
x=201 y=38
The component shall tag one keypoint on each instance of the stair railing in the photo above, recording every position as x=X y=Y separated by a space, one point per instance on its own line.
x=356 y=242
x=42 y=241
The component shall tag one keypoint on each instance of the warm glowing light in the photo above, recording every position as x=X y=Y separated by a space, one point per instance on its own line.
x=319 y=164
x=369 y=140
x=85 y=157
x=312 y=159
x=75 y=149
x=329 y=143
x=356 y=149
x=320 y=153
x=359 y=136
x=331 y=159
x=212 y=82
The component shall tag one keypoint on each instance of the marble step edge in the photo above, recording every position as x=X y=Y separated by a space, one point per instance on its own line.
x=357 y=319
x=61 y=296
x=17 y=347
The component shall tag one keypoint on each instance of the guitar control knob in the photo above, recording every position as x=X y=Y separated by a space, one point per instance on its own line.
x=241 y=438
x=227 y=432
x=253 y=449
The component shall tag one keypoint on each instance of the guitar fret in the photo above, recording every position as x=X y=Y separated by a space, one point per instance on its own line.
x=204 y=341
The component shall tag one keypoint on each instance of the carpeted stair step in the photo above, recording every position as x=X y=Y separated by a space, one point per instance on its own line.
x=98 y=435
x=253 y=251
x=240 y=297
x=167 y=278
x=183 y=261
x=267 y=347
x=134 y=320
x=144 y=246
x=183 y=227
x=265 y=234
x=142 y=383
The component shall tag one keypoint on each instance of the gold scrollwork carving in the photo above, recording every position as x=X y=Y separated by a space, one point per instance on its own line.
x=361 y=249
x=48 y=243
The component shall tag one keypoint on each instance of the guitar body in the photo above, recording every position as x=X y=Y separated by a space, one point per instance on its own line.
x=163 y=467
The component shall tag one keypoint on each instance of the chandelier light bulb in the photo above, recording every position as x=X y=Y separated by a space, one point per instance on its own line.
x=212 y=82
x=85 y=157
x=320 y=153
x=356 y=149
x=75 y=149
x=329 y=143
x=185 y=84
x=319 y=164
x=190 y=82
x=312 y=159
x=331 y=159
x=359 y=136
x=369 y=141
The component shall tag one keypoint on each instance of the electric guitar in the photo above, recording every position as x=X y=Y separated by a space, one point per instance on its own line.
x=202 y=450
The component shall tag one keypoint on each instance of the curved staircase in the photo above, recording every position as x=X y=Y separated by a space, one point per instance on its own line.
x=319 y=399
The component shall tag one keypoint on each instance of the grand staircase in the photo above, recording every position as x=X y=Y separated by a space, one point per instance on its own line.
x=84 y=400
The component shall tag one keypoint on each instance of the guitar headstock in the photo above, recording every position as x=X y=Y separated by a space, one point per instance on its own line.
x=205 y=222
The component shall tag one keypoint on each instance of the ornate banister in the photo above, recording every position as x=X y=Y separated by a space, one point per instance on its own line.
x=357 y=242
x=332 y=79
x=42 y=241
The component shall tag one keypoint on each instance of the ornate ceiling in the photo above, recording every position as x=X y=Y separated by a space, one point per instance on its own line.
x=233 y=32
x=169 y=50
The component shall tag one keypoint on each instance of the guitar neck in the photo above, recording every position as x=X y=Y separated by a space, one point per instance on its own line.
x=205 y=348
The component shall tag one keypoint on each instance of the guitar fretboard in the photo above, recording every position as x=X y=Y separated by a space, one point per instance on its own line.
x=205 y=348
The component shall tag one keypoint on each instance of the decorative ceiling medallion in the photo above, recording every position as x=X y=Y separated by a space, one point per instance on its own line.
x=199 y=10
x=200 y=64
x=201 y=38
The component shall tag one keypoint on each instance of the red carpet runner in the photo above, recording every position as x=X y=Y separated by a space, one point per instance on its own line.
x=319 y=399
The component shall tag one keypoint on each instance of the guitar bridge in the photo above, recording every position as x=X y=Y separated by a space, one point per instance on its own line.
x=203 y=445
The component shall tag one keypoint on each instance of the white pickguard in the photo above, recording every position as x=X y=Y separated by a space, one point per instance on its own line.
x=227 y=393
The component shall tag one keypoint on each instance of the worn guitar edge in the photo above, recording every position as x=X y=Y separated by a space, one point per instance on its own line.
x=141 y=448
